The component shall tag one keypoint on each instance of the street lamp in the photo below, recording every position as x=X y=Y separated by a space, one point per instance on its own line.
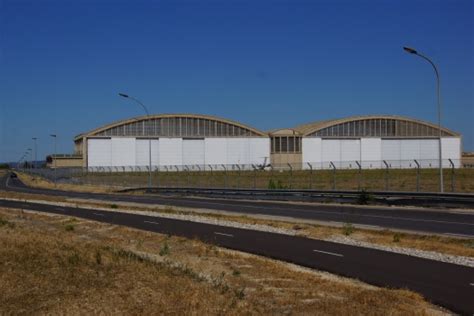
x=123 y=95
x=414 y=52
x=36 y=151
x=28 y=152
x=54 y=157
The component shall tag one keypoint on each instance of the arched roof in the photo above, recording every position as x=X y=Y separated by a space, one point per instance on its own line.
x=384 y=125
x=173 y=125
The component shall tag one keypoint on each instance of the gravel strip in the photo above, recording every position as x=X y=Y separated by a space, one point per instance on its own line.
x=460 y=260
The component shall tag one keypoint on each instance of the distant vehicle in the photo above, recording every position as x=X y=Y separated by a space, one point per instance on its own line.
x=13 y=175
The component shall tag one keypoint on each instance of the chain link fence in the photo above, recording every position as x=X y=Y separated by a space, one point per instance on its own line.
x=399 y=175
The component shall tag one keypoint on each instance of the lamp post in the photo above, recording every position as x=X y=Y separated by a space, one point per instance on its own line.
x=28 y=152
x=54 y=156
x=36 y=151
x=414 y=52
x=123 y=95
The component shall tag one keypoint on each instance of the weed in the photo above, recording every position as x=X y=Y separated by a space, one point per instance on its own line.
x=235 y=272
x=98 y=257
x=240 y=293
x=396 y=237
x=347 y=229
x=470 y=243
x=364 y=198
x=165 y=249
x=114 y=206
x=74 y=259
x=69 y=227
x=6 y=223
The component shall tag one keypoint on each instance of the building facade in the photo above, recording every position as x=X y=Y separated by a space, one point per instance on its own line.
x=200 y=142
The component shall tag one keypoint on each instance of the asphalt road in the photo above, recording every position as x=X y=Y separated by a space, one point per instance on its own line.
x=448 y=285
x=420 y=220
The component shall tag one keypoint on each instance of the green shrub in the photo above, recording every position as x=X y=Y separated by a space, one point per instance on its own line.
x=397 y=237
x=347 y=229
x=114 y=206
x=69 y=227
x=165 y=249
x=364 y=198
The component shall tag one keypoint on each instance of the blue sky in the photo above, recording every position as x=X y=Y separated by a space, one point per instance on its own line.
x=269 y=63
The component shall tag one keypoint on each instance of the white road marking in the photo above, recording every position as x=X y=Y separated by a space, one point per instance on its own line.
x=471 y=284
x=151 y=222
x=459 y=235
x=98 y=214
x=329 y=253
x=227 y=235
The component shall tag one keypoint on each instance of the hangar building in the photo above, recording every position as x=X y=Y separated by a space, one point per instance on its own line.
x=203 y=142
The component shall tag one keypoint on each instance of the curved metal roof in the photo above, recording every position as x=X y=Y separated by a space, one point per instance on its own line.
x=160 y=116
x=313 y=127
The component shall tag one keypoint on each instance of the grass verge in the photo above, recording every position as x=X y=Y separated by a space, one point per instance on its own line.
x=99 y=268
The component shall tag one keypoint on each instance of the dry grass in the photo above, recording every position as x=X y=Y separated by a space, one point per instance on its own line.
x=97 y=268
x=370 y=179
x=40 y=182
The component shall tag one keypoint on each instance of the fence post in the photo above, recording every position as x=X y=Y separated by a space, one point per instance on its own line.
x=225 y=175
x=291 y=174
x=359 y=180
x=199 y=175
x=333 y=175
x=386 y=174
x=310 y=175
x=210 y=178
x=187 y=174
x=177 y=176
x=238 y=177
x=453 y=183
x=254 y=176
x=417 y=176
x=167 y=174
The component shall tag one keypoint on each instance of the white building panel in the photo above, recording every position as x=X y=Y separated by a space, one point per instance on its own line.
x=259 y=150
x=142 y=152
x=99 y=152
x=215 y=151
x=171 y=152
x=331 y=152
x=123 y=152
x=371 y=152
x=409 y=151
x=451 y=149
x=193 y=152
x=350 y=152
x=238 y=151
x=312 y=152
x=391 y=152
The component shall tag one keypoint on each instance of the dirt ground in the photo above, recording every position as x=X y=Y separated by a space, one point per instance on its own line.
x=59 y=265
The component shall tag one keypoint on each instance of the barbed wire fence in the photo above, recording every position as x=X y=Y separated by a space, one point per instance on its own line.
x=394 y=175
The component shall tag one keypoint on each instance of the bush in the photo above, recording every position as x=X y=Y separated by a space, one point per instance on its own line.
x=347 y=229
x=114 y=206
x=365 y=197
x=4 y=166
x=165 y=249
x=397 y=237
x=69 y=227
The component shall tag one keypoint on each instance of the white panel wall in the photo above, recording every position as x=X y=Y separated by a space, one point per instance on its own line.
x=238 y=150
x=350 y=152
x=331 y=151
x=193 y=152
x=259 y=149
x=142 y=152
x=99 y=152
x=371 y=152
x=123 y=151
x=451 y=149
x=312 y=152
x=171 y=151
x=215 y=151
x=391 y=152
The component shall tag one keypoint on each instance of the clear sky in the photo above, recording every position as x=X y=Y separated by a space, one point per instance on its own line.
x=268 y=64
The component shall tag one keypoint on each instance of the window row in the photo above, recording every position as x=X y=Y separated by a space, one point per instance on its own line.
x=379 y=128
x=285 y=145
x=177 y=127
